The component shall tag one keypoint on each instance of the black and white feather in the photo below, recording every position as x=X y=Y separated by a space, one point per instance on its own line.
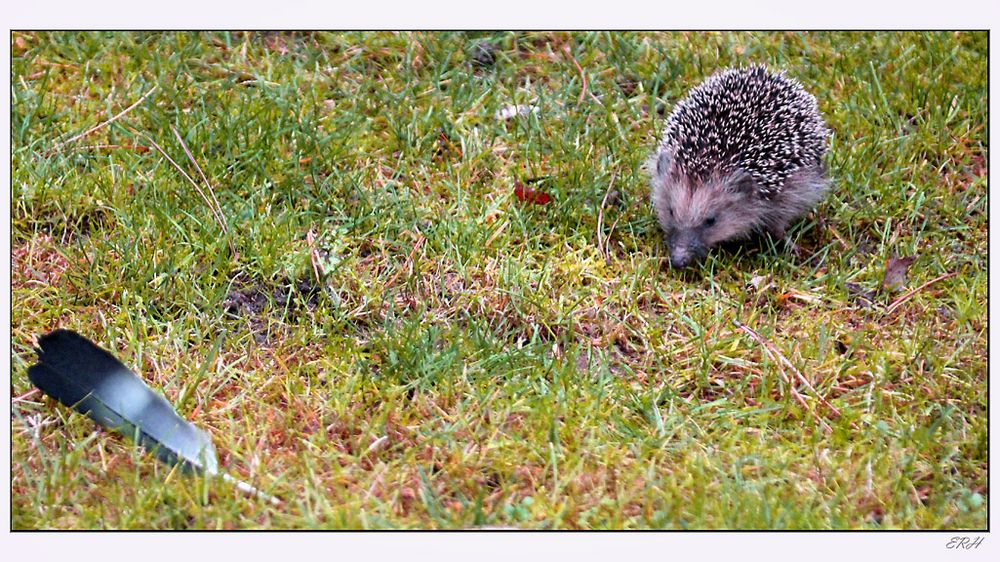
x=81 y=375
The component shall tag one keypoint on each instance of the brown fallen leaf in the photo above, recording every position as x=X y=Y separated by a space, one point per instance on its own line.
x=894 y=278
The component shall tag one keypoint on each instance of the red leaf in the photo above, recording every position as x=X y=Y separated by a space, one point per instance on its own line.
x=529 y=195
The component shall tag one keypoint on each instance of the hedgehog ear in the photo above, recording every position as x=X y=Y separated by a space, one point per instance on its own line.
x=743 y=182
x=663 y=162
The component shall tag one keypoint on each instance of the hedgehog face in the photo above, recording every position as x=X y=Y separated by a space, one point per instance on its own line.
x=698 y=215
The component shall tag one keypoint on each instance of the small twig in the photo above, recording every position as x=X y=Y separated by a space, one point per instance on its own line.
x=898 y=302
x=249 y=489
x=409 y=260
x=376 y=444
x=313 y=257
x=600 y=220
x=798 y=373
x=136 y=147
x=804 y=380
x=211 y=191
x=583 y=76
x=781 y=370
x=614 y=225
x=772 y=352
x=24 y=396
x=99 y=126
x=837 y=235
x=218 y=217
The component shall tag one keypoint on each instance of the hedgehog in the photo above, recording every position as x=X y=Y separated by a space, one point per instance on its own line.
x=742 y=153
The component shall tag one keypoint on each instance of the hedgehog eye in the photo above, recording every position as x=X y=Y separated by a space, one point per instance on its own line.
x=710 y=221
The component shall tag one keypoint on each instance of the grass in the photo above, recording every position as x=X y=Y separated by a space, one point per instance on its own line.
x=466 y=358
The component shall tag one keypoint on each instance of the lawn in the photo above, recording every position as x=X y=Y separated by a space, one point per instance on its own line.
x=415 y=282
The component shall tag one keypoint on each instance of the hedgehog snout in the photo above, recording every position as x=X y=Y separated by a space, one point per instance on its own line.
x=686 y=248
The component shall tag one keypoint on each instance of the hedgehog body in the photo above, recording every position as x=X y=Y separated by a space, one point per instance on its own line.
x=741 y=153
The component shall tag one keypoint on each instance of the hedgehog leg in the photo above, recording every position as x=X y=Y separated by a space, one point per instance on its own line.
x=779 y=233
x=777 y=227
